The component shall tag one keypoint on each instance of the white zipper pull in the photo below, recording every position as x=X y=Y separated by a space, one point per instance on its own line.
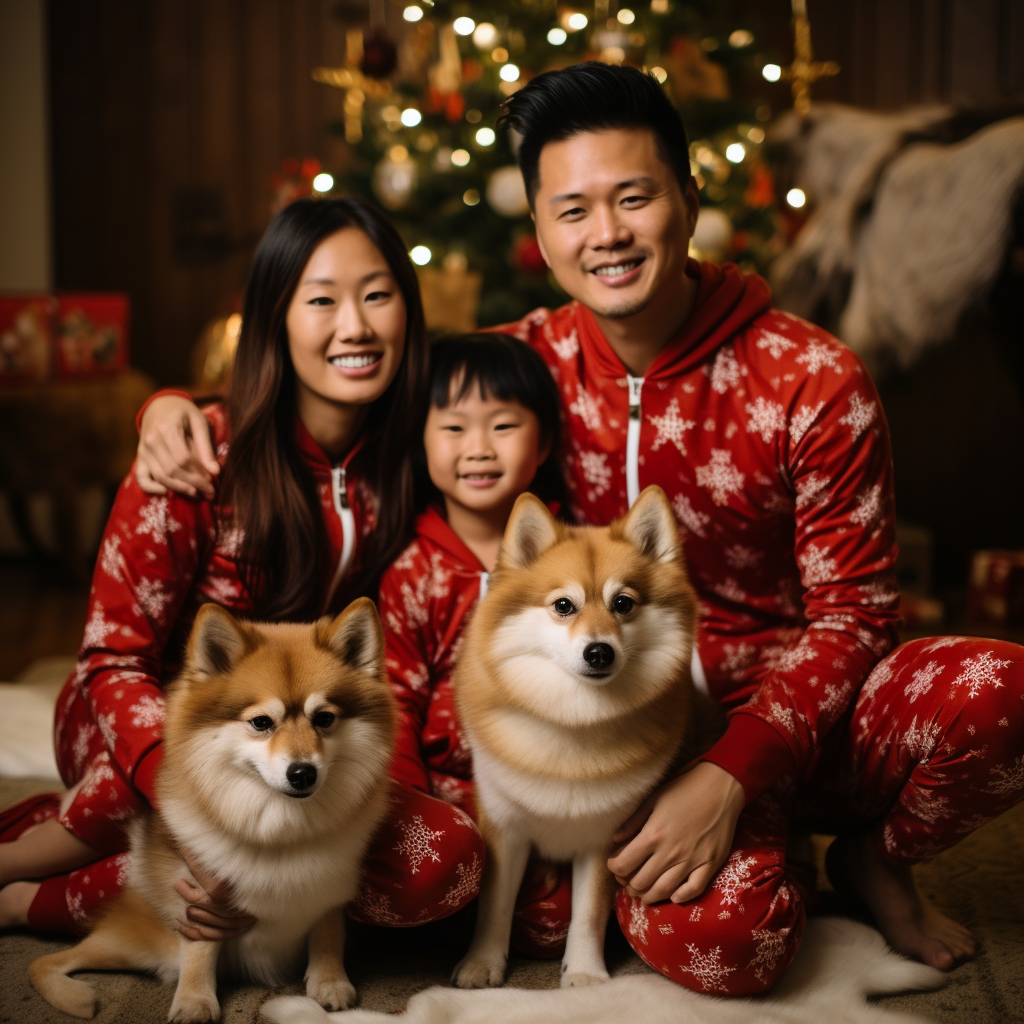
x=485 y=579
x=339 y=490
x=633 y=439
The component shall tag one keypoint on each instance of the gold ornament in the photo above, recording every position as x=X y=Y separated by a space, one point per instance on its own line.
x=358 y=87
x=805 y=71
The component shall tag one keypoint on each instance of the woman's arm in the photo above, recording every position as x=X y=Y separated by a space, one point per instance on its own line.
x=175 y=447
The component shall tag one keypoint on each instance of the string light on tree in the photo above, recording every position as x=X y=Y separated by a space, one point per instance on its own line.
x=464 y=26
x=420 y=255
x=557 y=36
x=771 y=72
x=735 y=153
x=412 y=13
x=485 y=35
x=323 y=182
x=804 y=71
x=796 y=198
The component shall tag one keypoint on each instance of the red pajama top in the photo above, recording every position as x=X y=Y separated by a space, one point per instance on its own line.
x=426 y=599
x=769 y=439
x=161 y=559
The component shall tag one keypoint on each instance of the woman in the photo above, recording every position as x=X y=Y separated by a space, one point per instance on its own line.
x=314 y=501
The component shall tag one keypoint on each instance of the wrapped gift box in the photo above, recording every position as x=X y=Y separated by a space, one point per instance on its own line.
x=996 y=590
x=26 y=337
x=91 y=335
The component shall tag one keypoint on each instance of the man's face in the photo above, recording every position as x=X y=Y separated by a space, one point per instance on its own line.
x=612 y=222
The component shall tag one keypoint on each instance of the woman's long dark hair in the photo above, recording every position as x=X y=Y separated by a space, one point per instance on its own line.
x=285 y=558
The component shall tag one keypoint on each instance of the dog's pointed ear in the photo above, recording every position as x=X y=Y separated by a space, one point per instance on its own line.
x=217 y=642
x=355 y=636
x=530 y=532
x=651 y=527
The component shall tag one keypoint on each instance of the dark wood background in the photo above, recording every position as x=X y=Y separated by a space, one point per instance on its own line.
x=170 y=116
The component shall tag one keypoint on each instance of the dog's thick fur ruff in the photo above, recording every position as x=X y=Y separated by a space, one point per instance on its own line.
x=255 y=711
x=574 y=690
x=839 y=965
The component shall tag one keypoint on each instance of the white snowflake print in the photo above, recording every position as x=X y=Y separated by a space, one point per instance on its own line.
x=880 y=592
x=919 y=740
x=596 y=472
x=151 y=599
x=734 y=877
x=468 y=884
x=695 y=914
x=221 y=590
x=567 y=347
x=670 y=428
x=979 y=672
x=926 y=804
x=231 y=538
x=156 y=520
x=707 y=968
x=693 y=520
x=111 y=559
x=860 y=416
x=880 y=675
x=148 y=712
x=586 y=408
x=921 y=681
x=802 y=421
x=430 y=585
x=725 y=371
x=99 y=771
x=415 y=842
x=638 y=921
x=835 y=699
x=83 y=742
x=417 y=678
x=730 y=590
x=818 y=356
x=1008 y=780
x=812 y=490
x=740 y=557
x=376 y=906
x=787 y=659
x=766 y=418
x=775 y=343
x=815 y=566
x=97 y=629
x=738 y=657
x=784 y=716
x=771 y=946
x=941 y=643
x=868 y=512
x=720 y=476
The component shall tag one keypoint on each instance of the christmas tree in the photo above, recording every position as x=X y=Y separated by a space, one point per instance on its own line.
x=420 y=117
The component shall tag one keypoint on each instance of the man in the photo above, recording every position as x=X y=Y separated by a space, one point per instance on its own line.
x=767 y=436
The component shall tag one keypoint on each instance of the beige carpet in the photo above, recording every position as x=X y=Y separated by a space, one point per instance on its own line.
x=981 y=882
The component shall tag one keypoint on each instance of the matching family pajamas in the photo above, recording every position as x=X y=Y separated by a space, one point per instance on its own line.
x=768 y=437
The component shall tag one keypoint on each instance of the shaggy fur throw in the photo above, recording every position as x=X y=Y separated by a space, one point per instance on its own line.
x=912 y=220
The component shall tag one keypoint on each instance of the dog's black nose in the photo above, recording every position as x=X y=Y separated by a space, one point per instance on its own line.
x=301 y=775
x=599 y=655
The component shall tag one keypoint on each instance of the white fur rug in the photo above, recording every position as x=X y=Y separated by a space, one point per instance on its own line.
x=26 y=720
x=840 y=964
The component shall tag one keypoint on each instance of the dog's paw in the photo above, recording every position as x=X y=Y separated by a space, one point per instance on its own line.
x=194 y=1008
x=331 y=994
x=485 y=972
x=293 y=1010
x=581 y=980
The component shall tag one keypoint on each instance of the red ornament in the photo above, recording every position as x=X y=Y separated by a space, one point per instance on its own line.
x=380 y=55
x=528 y=257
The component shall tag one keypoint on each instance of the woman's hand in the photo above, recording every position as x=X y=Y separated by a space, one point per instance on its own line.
x=175 y=449
x=210 y=914
x=680 y=836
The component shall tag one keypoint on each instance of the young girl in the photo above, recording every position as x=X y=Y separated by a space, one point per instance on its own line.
x=315 y=498
x=490 y=431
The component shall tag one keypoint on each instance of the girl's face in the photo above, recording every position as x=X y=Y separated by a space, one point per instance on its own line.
x=482 y=453
x=346 y=323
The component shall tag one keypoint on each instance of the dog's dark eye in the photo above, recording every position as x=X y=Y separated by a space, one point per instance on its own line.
x=261 y=723
x=564 y=606
x=324 y=719
x=623 y=604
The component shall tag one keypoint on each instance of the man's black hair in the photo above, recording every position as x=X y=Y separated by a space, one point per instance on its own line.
x=592 y=97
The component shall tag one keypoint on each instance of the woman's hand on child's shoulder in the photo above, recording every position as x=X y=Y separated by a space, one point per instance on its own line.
x=175 y=449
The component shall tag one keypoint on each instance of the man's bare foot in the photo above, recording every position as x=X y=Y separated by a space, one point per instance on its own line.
x=910 y=924
x=15 y=899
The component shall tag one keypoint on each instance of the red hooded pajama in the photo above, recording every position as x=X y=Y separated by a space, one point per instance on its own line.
x=160 y=560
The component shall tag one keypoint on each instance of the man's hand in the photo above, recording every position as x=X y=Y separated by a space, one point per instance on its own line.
x=210 y=912
x=680 y=836
x=175 y=449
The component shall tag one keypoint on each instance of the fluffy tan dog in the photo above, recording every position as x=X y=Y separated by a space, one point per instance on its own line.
x=575 y=692
x=277 y=741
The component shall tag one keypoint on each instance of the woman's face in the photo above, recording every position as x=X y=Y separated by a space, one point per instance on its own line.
x=346 y=323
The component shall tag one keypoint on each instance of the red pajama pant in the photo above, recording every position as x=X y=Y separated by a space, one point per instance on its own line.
x=932 y=748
